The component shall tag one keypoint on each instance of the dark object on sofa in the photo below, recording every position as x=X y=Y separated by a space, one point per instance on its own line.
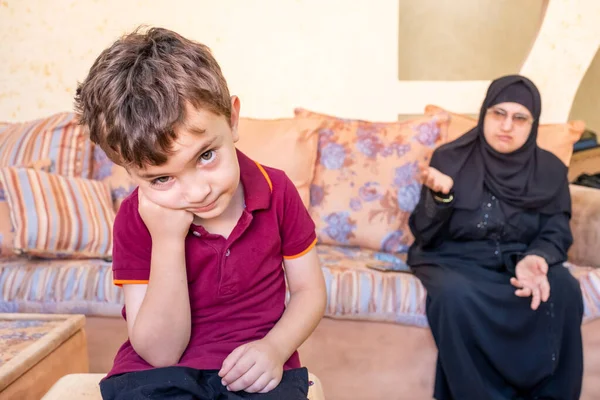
x=592 y=181
x=588 y=140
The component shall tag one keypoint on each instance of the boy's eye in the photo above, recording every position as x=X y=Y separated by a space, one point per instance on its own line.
x=207 y=157
x=161 y=180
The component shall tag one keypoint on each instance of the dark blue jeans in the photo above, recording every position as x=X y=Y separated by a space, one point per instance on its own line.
x=181 y=383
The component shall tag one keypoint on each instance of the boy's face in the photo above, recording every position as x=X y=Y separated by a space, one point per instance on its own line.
x=202 y=173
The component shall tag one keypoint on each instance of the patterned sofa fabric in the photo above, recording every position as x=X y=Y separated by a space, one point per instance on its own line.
x=357 y=288
x=358 y=291
x=59 y=287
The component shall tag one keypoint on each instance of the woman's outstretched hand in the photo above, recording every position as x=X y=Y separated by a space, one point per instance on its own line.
x=435 y=180
x=532 y=280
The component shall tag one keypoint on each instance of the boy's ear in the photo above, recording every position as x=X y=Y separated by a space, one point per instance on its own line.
x=235 y=117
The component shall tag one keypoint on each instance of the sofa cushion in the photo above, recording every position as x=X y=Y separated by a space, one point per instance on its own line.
x=59 y=287
x=366 y=180
x=585 y=224
x=556 y=138
x=57 y=138
x=58 y=217
x=7 y=232
x=56 y=144
x=357 y=291
x=286 y=144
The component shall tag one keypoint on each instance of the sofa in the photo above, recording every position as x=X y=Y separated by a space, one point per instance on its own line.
x=59 y=194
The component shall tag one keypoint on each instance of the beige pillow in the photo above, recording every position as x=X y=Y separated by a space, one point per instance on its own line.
x=286 y=144
x=555 y=138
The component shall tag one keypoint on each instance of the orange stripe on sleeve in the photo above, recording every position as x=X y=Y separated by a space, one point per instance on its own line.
x=309 y=248
x=121 y=282
x=266 y=175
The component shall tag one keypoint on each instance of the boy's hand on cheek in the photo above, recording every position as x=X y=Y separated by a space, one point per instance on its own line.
x=164 y=222
x=255 y=367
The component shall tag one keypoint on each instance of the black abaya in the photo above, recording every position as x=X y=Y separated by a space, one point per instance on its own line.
x=504 y=206
x=491 y=344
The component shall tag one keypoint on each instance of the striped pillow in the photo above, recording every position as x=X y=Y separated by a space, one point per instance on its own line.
x=58 y=217
x=58 y=138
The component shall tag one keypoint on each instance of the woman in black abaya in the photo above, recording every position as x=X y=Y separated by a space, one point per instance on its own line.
x=491 y=233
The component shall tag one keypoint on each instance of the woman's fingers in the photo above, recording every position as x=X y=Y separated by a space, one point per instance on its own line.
x=525 y=292
x=545 y=289
x=535 y=298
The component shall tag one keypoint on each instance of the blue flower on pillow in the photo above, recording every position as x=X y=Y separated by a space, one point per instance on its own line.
x=333 y=156
x=102 y=164
x=428 y=133
x=368 y=143
x=317 y=194
x=393 y=243
x=339 y=226
x=408 y=196
x=405 y=174
x=370 y=191
x=326 y=135
x=2 y=195
x=121 y=192
x=355 y=204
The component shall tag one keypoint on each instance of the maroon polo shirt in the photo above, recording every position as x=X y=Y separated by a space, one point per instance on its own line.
x=236 y=285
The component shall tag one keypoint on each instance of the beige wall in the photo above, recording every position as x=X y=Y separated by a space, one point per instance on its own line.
x=465 y=39
x=587 y=101
x=281 y=54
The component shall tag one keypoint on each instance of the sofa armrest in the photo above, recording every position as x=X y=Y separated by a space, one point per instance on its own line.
x=585 y=224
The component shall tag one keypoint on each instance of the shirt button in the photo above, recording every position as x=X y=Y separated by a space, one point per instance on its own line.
x=197 y=234
x=489 y=205
x=496 y=252
x=227 y=253
x=493 y=197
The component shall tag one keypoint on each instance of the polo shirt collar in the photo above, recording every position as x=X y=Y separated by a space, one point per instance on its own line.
x=257 y=184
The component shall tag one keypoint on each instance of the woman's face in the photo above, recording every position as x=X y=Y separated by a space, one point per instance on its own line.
x=507 y=126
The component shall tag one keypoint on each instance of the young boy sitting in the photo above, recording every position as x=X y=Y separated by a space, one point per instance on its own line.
x=199 y=245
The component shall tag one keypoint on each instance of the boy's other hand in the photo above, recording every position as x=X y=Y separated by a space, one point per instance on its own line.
x=255 y=367
x=164 y=222
x=435 y=180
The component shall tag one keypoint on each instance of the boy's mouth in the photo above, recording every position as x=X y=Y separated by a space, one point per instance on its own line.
x=205 y=208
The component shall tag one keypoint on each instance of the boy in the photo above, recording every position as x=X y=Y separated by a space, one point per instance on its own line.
x=198 y=246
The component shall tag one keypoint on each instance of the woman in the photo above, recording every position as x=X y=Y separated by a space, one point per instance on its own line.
x=491 y=233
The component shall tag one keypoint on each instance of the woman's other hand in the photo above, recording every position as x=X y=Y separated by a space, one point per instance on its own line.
x=435 y=180
x=532 y=280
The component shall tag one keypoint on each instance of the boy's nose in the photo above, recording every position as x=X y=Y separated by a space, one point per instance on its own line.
x=196 y=192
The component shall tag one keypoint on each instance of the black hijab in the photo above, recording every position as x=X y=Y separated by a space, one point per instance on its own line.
x=529 y=178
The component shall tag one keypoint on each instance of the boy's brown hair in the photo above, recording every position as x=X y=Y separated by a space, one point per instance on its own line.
x=136 y=92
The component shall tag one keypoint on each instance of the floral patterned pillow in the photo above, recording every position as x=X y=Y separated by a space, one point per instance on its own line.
x=366 y=182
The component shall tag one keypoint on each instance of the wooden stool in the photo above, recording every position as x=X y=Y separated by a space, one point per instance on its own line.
x=85 y=387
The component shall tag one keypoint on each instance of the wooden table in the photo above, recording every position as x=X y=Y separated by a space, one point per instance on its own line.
x=38 y=349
